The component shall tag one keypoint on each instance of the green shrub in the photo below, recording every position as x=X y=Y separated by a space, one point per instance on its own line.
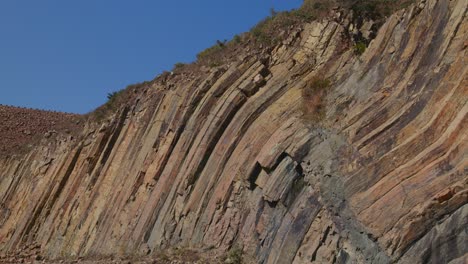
x=237 y=39
x=360 y=48
x=234 y=256
x=315 y=85
x=111 y=105
x=112 y=95
x=261 y=31
x=178 y=65
x=367 y=8
x=113 y=101
x=318 y=5
x=211 y=51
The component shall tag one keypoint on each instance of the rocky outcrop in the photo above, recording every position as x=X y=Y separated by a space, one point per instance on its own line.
x=24 y=127
x=225 y=158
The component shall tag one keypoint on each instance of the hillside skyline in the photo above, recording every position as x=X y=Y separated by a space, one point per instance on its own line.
x=68 y=56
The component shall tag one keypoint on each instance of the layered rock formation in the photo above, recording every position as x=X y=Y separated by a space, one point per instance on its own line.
x=227 y=158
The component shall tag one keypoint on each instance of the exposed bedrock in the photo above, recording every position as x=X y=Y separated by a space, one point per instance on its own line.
x=225 y=158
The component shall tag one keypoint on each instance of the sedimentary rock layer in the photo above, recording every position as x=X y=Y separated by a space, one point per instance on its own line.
x=228 y=158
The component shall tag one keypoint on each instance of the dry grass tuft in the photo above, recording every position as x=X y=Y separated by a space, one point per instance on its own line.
x=313 y=105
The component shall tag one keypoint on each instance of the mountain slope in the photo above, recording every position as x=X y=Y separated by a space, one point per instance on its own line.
x=370 y=168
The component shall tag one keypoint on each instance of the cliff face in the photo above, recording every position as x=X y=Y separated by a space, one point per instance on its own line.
x=227 y=156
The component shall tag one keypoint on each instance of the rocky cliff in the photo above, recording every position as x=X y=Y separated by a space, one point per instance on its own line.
x=234 y=157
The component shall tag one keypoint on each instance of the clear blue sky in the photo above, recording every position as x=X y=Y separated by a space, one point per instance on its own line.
x=67 y=55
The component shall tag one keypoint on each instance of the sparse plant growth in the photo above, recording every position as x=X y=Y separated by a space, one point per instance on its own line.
x=221 y=43
x=270 y=32
x=164 y=257
x=360 y=48
x=312 y=9
x=377 y=9
x=185 y=255
x=273 y=29
x=112 y=95
x=178 y=65
x=236 y=39
x=313 y=94
x=215 y=64
x=115 y=100
x=273 y=12
x=318 y=5
x=212 y=53
x=297 y=186
x=112 y=98
x=266 y=32
x=234 y=256
x=110 y=106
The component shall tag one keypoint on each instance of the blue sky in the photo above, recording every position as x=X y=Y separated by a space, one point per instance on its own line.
x=67 y=55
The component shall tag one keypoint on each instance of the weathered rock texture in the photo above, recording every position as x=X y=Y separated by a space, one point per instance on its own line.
x=21 y=127
x=226 y=158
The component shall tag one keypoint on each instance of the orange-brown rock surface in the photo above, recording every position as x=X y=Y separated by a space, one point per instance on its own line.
x=226 y=158
x=22 y=128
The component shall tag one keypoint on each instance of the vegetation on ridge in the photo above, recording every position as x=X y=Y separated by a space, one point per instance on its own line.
x=376 y=9
x=268 y=31
x=115 y=100
x=271 y=31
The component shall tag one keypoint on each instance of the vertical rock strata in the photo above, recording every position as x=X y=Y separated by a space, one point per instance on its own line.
x=226 y=158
